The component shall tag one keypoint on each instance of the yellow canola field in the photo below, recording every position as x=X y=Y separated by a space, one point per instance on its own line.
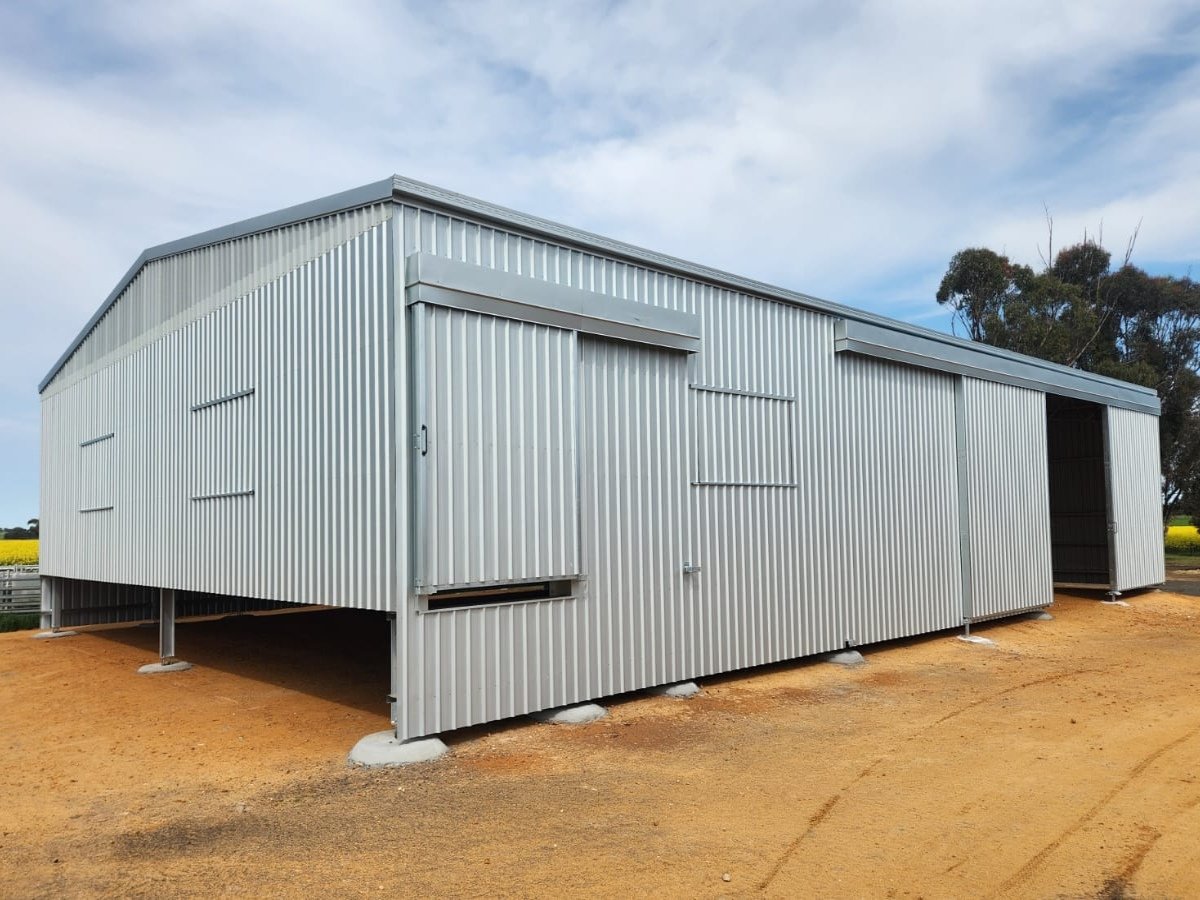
x=1183 y=539
x=19 y=553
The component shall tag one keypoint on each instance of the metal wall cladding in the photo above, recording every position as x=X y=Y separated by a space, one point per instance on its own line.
x=170 y=292
x=840 y=526
x=1136 y=488
x=96 y=603
x=835 y=520
x=95 y=473
x=889 y=536
x=308 y=457
x=1008 y=499
x=496 y=480
x=753 y=439
x=632 y=623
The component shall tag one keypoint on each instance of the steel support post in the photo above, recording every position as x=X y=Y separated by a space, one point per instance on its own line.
x=166 y=625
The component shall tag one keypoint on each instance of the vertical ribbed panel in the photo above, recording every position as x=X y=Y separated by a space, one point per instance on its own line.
x=96 y=485
x=631 y=626
x=892 y=534
x=1008 y=499
x=747 y=343
x=257 y=396
x=634 y=477
x=836 y=520
x=1136 y=498
x=167 y=293
x=223 y=446
x=313 y=443
x=495 y=415
x=96 y=603
x=743 y=440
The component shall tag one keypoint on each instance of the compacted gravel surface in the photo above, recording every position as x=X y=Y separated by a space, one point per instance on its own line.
x=1062 y=762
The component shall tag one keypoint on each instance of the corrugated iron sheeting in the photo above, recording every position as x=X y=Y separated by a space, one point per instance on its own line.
x=631 y=624
x=84 y=603
x=892 y=530
x=856 y=542
x=495 y=409
x=283 y=494
x=756 y=444
x=786 y=571
x=168 y=293
x=1009 y=499
x=1137 y=498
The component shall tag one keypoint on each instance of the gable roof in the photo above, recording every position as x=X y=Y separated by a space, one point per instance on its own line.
x=1074 y=382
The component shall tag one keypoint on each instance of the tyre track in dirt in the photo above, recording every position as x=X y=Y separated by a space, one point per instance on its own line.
x=1035 y=862
x=827 y=807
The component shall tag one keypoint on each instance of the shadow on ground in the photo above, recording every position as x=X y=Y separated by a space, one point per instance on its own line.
x=340 y=655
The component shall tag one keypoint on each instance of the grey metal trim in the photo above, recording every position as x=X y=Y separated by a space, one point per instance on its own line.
x=962 y=471
x=237 y=395
x=713 y=389
x=427 y=591
x=1111 y=524
x=423 y=609
x=418 y=399
x=225 y=494
x=762 y=484
x=419 y=192
x=96 y=440
x=92 y=509
x=447 y=282
x=945 y=354
x=404 y=189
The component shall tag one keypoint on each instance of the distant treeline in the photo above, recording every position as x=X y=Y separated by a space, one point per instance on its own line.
x=30 y=531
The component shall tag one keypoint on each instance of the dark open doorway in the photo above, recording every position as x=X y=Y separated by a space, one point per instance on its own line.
x=1081 y=553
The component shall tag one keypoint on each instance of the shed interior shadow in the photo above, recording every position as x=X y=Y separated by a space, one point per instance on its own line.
x=1079 y=515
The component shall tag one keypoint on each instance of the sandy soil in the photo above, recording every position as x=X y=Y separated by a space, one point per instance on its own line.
x=1064 y=762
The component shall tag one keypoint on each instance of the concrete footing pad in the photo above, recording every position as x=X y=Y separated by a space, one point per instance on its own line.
x=383 y=749
x=681 y=691
x=976 y=639
x=1041 y=616
x=572 y=715
x=846 y=658
x=47 y=635
x=1114 y=602
x=159 y=667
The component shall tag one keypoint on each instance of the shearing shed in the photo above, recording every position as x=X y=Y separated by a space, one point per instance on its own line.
x=564 y=467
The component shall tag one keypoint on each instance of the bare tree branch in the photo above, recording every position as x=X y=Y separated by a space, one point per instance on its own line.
x=1132 y=243
x=1049 y=257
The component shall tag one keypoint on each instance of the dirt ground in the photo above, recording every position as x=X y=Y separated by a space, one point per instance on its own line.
x=1063 y=762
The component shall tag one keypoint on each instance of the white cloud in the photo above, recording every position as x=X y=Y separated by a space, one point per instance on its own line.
x=844 y=150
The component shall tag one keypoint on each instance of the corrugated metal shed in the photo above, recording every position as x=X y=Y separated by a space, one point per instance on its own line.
x=1136 y=510
x=570 y=467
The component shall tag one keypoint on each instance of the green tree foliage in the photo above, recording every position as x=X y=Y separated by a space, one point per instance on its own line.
x=1080 y=312
x=19 y=533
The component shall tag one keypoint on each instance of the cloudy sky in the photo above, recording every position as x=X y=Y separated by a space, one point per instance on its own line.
x=846 y=150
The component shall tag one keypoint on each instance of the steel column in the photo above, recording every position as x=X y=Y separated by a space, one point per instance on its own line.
x=166 y=624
